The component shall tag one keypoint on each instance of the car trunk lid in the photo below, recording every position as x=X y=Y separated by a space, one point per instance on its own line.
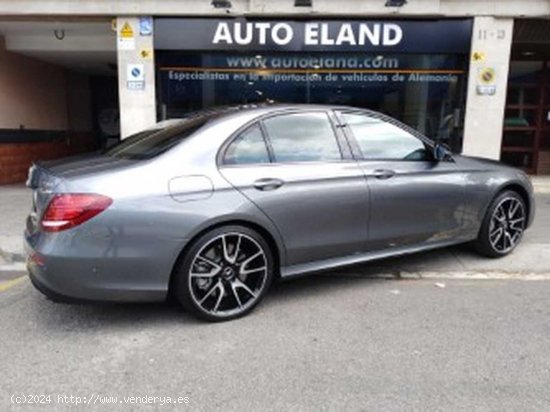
x=46 y=178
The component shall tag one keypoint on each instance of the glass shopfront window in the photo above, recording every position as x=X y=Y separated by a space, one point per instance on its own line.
x=422 y=84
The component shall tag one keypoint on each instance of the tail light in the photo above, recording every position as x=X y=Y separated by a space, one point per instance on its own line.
x=69 y=210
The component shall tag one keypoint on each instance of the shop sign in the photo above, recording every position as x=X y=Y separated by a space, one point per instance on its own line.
x=135 y=77
x=126 y=39
x=413 y=36
x=181 y=74
x=145 y=26
x=126 y=31
x=486 y=80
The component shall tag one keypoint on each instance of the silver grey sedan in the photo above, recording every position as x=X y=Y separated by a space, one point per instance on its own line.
x=212 y=208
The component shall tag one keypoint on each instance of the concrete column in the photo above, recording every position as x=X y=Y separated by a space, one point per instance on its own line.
x=136 y=76
x=490 y=53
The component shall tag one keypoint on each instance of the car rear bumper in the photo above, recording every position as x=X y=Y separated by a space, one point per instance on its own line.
x=85 y=279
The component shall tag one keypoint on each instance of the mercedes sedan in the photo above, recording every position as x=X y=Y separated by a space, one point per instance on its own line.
x=212 y=208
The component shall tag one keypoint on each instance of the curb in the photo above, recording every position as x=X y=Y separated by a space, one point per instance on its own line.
x=540 y=184
x=477 y=275
x=11 y=257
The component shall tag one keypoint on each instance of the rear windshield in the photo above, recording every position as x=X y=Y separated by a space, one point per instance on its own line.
x=152 y=142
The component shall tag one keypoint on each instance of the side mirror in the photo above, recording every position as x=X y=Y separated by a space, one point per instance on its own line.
x=439 y=152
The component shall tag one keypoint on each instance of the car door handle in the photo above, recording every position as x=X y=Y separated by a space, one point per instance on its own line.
x=268 y=184
x=383 y=173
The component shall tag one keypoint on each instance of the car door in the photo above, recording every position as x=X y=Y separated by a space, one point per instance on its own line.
x=302 y=176
x=414 y=199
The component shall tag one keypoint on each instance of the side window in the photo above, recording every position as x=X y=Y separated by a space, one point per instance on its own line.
x=381 y=140
x=248 y=148
x=302 y=137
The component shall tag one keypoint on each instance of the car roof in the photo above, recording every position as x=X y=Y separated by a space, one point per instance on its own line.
x=257 y=109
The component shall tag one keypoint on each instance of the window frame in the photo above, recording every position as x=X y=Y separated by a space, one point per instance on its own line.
x=342 y=142
x=356 y=149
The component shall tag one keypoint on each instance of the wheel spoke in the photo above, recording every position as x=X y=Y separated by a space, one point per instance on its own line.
x=514 y=222
x=237 y=249
x=220 y=297
x=250 y=259
x=209 y=293
x=238 y=284
x=497 y=231
x=495 y=236
x=210 y=274
x=210 y=262
x=215 y=269
x=513 y=209
x=234 y=289
x=225 y=247
x=249 y=271
x=500 y=215
x=515 y=237
x=508 y=238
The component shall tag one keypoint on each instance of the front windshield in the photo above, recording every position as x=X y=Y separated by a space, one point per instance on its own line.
x=160 y=138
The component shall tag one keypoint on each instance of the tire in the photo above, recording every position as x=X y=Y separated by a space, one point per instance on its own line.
x=503 y=225
x=224 y=274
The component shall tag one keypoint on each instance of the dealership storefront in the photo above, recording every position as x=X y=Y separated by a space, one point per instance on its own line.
x=475 y=77
x=414 y=70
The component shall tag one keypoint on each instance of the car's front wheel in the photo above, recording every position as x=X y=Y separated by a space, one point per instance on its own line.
x=503 y=225
x=224 y=274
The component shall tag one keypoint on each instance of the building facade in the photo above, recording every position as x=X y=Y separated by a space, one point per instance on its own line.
x=77 y=75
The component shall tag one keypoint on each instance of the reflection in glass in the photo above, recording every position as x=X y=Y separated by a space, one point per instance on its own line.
x=384 y=141
x=302 y=137
x=248 y=148
x=425 y=91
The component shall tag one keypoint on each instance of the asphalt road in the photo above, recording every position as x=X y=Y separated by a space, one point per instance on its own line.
x=318 y=343
x=327 y=342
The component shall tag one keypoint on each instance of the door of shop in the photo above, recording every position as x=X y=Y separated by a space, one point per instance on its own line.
x=526 y=133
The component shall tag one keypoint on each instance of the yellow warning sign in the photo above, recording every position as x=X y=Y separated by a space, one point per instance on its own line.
x=478 y=56
x=126 y=31
x=146 y=53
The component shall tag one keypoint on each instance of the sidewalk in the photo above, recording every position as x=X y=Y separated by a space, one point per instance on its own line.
x=15 y=204
x=541 y=184
x=531 y=257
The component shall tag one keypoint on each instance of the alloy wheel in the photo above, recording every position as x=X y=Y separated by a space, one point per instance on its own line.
x=507 y=224
x=228 y=274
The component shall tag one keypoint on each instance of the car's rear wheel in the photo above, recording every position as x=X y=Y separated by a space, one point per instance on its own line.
x=224 y=274
x=503 y=225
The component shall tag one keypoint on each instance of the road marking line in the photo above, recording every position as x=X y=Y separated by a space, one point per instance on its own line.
x=11 y=283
